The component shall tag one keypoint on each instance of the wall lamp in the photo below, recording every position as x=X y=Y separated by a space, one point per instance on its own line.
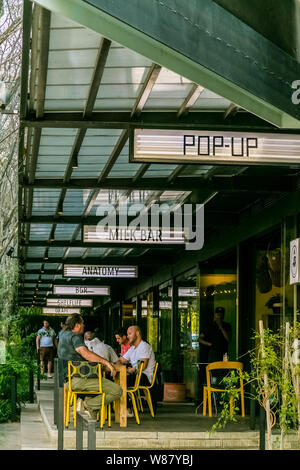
x=10 y=252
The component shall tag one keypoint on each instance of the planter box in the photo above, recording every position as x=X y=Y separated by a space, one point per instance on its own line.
x=174 y=392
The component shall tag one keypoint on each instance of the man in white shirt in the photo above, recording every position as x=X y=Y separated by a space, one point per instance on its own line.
x=99 y=347
x=140 y=351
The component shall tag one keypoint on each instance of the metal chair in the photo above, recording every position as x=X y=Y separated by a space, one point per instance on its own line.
x=147 y=395
x=133 y=390
x=86 y=370
x=209 y=388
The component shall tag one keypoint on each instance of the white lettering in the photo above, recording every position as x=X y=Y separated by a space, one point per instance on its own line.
x=296 y=94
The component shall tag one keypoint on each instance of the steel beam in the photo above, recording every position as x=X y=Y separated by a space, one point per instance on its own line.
x=231 y=183
x=260 y=74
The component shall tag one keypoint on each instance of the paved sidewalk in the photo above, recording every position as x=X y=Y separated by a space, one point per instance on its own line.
x=28 y=434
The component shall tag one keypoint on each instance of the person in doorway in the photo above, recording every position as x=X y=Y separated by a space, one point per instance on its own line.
x=71 y=347
x=139 y=351
x=216 y=337
x=99 y=347
x=121 y=338
x=45 y=342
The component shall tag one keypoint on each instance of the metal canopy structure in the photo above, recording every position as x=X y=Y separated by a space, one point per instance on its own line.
x=81 y=92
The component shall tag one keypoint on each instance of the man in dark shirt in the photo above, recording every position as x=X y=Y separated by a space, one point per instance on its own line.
x=216 y=337
x=71 y=347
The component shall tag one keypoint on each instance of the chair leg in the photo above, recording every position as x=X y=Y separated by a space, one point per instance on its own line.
x=135 y=407
x=74 y=408
x=149 y=401
x=68 y=404
x=209 y=403
x=103 y=411
x=139 y=401
x=204 y=400
x=109 y=415
x=242 y=403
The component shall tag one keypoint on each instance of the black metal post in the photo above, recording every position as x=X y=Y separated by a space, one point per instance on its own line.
x=55 y=392
x=13 y=389
x=38 y=376
x=79 y=431
x=60 y=405
x=262 y=428
x=31 y=386
x=92 y=435
x=91 y=428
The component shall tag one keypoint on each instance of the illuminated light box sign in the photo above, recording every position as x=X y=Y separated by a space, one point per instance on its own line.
x=146 y=235
x=191 y=146
x=89 y=271
x=81 y=290
x=60 y=311
x=69 y=302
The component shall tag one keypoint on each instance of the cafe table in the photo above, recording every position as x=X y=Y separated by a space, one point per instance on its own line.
x=121 y=405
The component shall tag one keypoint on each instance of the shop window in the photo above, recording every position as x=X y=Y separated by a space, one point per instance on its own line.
x=165 y=317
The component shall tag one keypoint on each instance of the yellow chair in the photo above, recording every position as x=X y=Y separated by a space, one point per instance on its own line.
x=133 y=390
x=147 y=395
x=209 y=388
x=83 y=369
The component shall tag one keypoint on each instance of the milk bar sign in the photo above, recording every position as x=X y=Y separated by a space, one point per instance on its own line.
x=99 y=271
x=192 y=146
x=81 y=290
x=69 y=302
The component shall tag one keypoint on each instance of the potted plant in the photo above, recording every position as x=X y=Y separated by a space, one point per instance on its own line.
x=172 y=389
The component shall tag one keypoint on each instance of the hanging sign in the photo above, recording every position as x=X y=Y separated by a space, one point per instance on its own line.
x=70 y=302
x=81 y=290
x=143 y=235
x=98 y=271
x=211 y=147
x=294 y=261
x=60 y=311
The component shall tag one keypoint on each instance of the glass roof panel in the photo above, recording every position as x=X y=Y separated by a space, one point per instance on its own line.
x=45 y=201
x=40 y=231
x=64 y=231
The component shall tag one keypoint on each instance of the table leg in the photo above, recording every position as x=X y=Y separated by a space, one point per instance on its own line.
x=123 y=399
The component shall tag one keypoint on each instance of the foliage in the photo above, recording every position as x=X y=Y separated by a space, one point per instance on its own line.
x=168 y=360
x=274 y=375
x=20 y=360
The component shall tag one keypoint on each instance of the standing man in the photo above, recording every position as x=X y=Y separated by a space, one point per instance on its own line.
x=71 y=347
x=121 y=338
x=217 y=336
x=45 y=342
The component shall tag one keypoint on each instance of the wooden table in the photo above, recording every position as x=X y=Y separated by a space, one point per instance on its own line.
x=121 y=405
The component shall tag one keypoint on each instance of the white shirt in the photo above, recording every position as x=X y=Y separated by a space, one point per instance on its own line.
x=102 y=349
x=142 y=351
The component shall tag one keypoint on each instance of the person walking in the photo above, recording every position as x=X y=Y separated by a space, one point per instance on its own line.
x=45 y=342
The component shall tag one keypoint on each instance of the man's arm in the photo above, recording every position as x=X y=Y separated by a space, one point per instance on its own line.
x=225 y=333
x=92 y=357
x=132 y=370
x=37 y=342
x=122 y=360
x=201 y=340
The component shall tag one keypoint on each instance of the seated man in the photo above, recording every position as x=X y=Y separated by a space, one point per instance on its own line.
x=99 y=347
x=71 y=347
x=121 y=338
x=139 y=351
